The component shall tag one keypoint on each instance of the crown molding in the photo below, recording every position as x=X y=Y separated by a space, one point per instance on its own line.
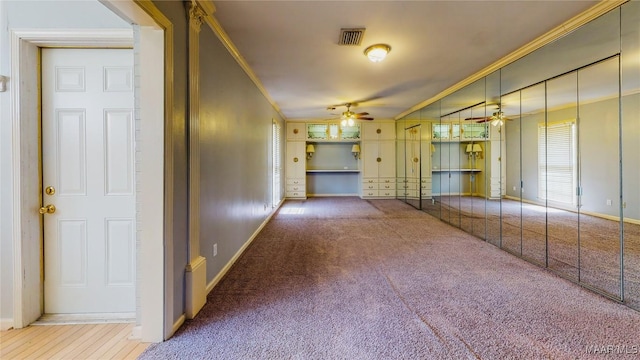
x=207 y=6
x=233 y=50
x=559 y=31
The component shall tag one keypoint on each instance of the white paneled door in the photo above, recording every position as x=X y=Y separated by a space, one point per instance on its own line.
x=88 y=175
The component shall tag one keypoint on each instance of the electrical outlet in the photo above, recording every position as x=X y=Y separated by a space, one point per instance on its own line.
x=215 y=249
x=608 y=202
x=514 y=188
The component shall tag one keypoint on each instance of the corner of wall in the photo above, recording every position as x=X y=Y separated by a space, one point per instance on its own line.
x=6 y=324
x=196 y=283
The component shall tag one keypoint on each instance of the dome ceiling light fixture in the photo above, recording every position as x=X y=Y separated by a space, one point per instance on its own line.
x=377 y=52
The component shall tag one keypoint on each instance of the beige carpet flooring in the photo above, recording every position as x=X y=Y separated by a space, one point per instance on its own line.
x=345 y=278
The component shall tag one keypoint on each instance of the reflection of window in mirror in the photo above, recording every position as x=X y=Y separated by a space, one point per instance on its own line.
x=557 y=177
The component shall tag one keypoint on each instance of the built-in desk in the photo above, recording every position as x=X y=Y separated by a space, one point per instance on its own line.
x=332 y=182
x=333 y=171
x=456 y=170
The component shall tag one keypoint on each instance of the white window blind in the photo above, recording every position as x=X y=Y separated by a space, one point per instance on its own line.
x=277 y=170
x=557 y=176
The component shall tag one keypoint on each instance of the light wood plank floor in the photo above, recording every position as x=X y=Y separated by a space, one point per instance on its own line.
x=89 y=341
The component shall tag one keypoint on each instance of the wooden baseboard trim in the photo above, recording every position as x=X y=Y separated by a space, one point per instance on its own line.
x=6 y=324
x=240 y=251
x=177 y=324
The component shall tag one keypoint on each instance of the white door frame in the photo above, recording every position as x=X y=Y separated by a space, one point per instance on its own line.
x=26 y=227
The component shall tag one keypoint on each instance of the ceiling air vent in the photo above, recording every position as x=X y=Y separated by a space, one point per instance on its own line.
x=351 y=36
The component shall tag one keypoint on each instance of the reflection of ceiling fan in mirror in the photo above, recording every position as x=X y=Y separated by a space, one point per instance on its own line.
x=349 y=117
x=497 y=118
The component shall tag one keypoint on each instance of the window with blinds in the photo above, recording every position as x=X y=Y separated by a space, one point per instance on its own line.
x=277 y=166
x=557 y=175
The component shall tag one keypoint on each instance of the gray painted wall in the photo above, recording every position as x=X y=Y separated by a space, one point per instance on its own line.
x=31 y=15
x=235 y=145
x=599 y=154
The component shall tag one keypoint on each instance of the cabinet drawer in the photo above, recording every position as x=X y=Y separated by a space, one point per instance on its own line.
x=369 y=193
x=296 y=194
x=408 y=186
x=387 y=180
x=296 y=188
x=387 y=193
x=369 y=186
x=295 y=181
x=387 y=186
x=403 y=193
x=369 y=180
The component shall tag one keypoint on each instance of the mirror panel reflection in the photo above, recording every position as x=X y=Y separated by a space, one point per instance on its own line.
x=558 y=159
x=430 y=199
x=600 y=227
x=512 y=218
x=630 y=63
x=534 y=229
x=545 y=168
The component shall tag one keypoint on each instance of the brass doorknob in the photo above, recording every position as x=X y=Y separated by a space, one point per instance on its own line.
x=47 y=209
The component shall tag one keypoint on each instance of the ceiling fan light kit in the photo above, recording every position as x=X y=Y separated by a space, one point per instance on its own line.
x=349 y=117
x=377 y=52
x=347 y=122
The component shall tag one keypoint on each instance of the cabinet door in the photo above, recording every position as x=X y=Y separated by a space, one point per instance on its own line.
x=378 y=130
x=426 y=158
x=387 y=131
x=369 y=130
x=412 y=159
x=350 y=132
x=370 y=155
x=295 y=131
x=387 y=155
x=317 y=131
x=441 y=131
x=474 y=131
x=295 y=163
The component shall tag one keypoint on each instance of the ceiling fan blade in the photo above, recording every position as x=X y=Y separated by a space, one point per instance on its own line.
x=478 y=118
x=362 y=113
x=365 y=118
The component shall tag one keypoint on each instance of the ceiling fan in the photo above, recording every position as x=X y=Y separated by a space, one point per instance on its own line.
x=348 y=117
x=497 y=118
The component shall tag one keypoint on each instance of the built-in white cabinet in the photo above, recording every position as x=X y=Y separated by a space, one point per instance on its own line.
x=378 y=160
x=467 y=131
x=332 y=132
x=378 y=168
x=378 y=131
x=467 y=159
x=295 y=169
x=416 y=181
x=296 y=131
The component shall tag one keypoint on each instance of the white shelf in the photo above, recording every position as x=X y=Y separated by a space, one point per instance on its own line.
x=334 y=171
x=456 y=170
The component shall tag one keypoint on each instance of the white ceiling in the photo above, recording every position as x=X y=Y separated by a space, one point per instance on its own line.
x=292 y=47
